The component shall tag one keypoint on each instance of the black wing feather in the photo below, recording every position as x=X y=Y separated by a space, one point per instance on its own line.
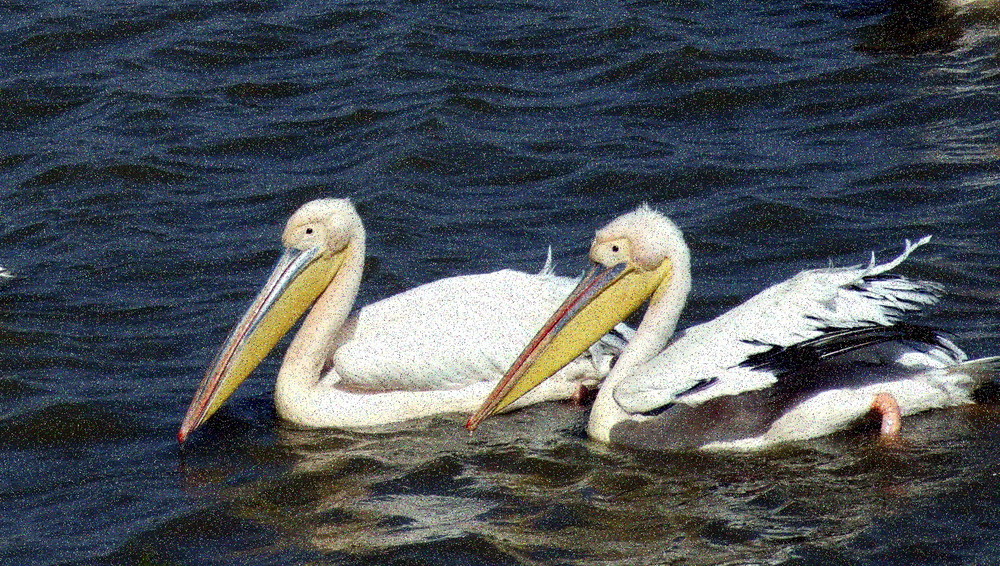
x=784 y=360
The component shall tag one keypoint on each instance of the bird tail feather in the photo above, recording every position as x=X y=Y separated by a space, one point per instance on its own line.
x=982 y=370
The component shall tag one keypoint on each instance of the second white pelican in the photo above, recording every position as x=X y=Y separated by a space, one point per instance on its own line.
x=437 y=348
x=804 y=358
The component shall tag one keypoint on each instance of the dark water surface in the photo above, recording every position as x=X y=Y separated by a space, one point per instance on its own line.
x=150 y=151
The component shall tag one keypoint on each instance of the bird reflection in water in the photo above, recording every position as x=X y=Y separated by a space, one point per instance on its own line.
x=532 y=487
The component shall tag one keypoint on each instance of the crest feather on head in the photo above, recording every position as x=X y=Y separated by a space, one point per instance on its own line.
x=652 y=235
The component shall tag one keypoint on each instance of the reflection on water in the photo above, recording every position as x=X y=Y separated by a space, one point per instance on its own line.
x=528 y=487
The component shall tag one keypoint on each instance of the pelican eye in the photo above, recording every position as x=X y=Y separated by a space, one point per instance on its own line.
x=614 y=249
x=309 y=230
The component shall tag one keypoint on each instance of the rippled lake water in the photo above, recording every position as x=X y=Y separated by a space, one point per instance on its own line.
x=150 y=152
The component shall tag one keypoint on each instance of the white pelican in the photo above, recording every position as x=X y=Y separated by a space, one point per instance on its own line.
x=438 y=348
x=802 y=359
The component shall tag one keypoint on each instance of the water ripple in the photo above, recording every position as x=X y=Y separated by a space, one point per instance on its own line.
x=152 y=151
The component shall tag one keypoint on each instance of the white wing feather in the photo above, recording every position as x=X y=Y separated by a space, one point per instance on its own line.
x=787 y=313
x=454 y=332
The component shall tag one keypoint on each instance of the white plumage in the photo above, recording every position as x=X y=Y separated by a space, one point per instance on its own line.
x=450 y=333
x=441 y=347
x=793 y=311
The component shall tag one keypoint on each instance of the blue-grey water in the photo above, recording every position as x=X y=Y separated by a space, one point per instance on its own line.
x=150 y=152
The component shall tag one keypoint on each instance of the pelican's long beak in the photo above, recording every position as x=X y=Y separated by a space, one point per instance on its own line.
x=297 y=280
x=604 y=297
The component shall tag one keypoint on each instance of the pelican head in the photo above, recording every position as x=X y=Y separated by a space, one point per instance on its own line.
x=317 y=239
x=633 y=260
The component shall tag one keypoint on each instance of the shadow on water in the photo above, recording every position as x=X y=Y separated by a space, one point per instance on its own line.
x=529 y=489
